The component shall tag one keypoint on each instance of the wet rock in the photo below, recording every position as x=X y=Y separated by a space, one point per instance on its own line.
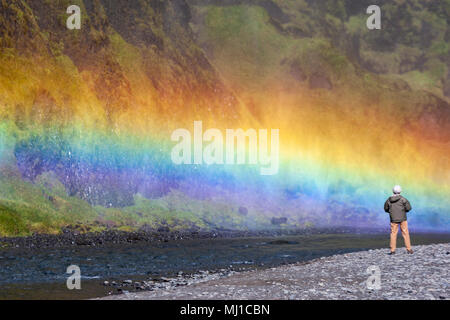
x=146 y=228
x=278 y=221
x=446 y=89
x=243 y=211
x=319 y=81
x=70 y=238
x=163 y=229
x=401 y=85
x=282 y=241
x=297 y=72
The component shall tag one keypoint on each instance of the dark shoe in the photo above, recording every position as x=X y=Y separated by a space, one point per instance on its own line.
x=391 y=253
x=409 y=251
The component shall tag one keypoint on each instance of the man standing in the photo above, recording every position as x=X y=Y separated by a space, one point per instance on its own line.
x=397 y=206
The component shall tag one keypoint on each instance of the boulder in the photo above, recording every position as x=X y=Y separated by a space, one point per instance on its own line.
x=319 y=81
x=278 y=221
x=243 y=211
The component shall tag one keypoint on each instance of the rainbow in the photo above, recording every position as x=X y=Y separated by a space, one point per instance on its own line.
x=340 y=153
x=337 y=168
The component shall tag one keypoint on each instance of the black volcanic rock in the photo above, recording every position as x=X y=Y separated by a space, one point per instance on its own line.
x=278 y=221
x=319 y=81
x=243 y=211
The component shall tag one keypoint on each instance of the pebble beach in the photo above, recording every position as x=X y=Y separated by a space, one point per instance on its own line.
x=423 y=275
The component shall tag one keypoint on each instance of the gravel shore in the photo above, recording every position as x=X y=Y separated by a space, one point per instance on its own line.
x=422 y=275
x=70 y=237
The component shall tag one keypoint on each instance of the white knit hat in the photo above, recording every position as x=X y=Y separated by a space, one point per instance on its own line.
x=397 y=189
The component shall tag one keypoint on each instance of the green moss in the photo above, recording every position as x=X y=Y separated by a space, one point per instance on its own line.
x=11 y=222
x=353 y=25
x=42 y=207
x=440 y=48
x=176 y=211
x=244 y=34
x=127 y=55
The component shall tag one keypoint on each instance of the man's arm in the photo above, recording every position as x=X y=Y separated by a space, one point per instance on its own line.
x=407 y=205
x=386 y=206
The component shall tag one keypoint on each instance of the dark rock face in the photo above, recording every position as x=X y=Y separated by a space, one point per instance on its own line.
x=282 y=242
x=109 y=187
x=124 y=16
x=278 y=221
x=447 y=90
x=14 y=31
x=275 y=12
x=297 y=72
x=243 y=211
x=45 y=110
x=159 y=29
x=163 y=229
x=174 y=65
x=433 y=121
x=447 y=87
x=318 y=81
x=401 y=85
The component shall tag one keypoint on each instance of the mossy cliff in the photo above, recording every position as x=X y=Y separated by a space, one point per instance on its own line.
x=143 y=64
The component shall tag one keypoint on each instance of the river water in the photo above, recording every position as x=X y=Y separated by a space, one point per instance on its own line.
x=41 y=273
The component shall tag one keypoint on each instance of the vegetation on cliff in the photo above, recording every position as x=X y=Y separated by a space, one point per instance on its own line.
x=137 y=65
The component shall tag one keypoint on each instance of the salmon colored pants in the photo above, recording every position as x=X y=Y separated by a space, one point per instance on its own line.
x=405 y=234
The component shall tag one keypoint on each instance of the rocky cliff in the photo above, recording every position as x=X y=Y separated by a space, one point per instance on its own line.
x=86 y=115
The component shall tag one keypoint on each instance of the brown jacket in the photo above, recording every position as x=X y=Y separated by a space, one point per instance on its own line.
x=397 y=207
